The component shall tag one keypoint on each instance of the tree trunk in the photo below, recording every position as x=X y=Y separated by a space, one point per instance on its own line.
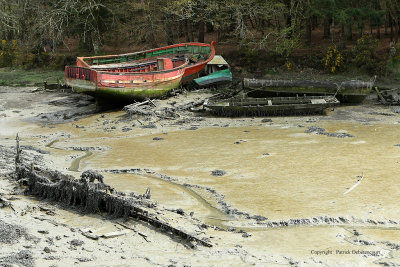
x=327 y=29
x=342 y=44
x=333 y=30
x=186 y=27
x=170 y=33
x=349 y=32
x=314 y=22
x=308 y=31
x=391 y=28
x=378 y=31
x=397 y=25
x=201 y=31
x=386 y=25
x=190 y=30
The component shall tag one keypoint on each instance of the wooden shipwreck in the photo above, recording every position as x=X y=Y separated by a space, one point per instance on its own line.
x=249 y=106
x=93 y=197
x=389 y=97
x=145 y=74
x=346 y=91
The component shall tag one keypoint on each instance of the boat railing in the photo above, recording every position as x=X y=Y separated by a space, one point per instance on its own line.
x=80 y=73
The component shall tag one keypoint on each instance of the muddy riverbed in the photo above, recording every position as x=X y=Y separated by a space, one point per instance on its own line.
x=311 y=190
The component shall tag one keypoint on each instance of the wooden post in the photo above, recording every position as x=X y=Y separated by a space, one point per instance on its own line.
x=17 y=157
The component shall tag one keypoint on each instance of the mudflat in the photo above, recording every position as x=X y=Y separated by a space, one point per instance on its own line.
x=308 y=190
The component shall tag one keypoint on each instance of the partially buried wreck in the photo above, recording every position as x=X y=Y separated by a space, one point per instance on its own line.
x=94 y=197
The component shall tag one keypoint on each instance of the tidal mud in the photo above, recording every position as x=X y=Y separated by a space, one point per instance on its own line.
x=281 y=184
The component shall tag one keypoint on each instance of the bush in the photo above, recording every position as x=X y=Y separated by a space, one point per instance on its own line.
x=364 y=54
x=333 y=60
x=59 y=61
x=8 y=53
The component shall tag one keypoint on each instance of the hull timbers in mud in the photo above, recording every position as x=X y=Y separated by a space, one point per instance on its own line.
x=94 y=197
x=346 y=91
x=248 y=106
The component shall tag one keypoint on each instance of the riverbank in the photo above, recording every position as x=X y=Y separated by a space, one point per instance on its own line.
x=221 y=169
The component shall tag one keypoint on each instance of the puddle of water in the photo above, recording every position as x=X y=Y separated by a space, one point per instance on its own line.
x=75 y=163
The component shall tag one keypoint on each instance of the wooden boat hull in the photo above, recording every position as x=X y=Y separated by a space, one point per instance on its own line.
x=206 y=53
x=350 y=92
x=215 y=78
x=271 y=106
x=124 y=85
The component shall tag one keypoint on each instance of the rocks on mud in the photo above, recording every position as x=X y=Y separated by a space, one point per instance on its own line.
x=158 y=138
x=218 y=173
x=149 y=126
x=76 y=242
x=322 y=131
x=180 y=211
x=266 y=120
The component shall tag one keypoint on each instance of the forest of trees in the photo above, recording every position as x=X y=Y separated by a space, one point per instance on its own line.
x=278 y=25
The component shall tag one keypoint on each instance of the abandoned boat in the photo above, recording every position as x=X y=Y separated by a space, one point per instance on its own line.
x=389 y=97
x=199 y=54
x=217 y=73
x=239 y=106
x=149 y=78
x=214 y=79
x=347 y=91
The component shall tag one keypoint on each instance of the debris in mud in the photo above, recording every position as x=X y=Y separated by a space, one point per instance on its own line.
x=91 y=176
x=180 y=211
x=149 y=126
x=126 y=129
x=322 y=131
x=158 y=138
x=218 y=173
x=381 y=113
x=76 y=242
x=192 y=128
x=35 y=149
x=266 y=120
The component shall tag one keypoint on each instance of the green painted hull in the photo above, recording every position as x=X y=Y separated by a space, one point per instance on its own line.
x=215 y=78
x=128 y=93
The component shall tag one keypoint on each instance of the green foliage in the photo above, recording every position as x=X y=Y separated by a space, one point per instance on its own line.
x=8 y=53
x=19 y=77
x=364 y=54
